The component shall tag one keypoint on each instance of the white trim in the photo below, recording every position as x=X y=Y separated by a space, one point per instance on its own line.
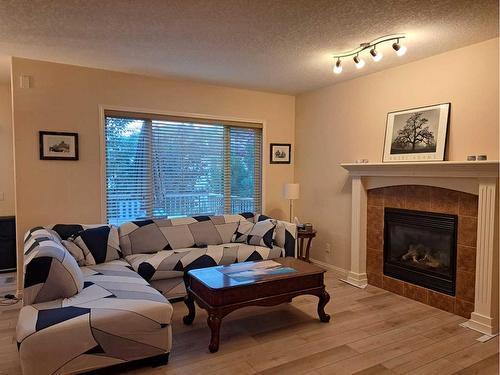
x=457 y=169
x=340 y=272
x=359 y=280
x=102 y=163
x=479 y=328
x=102 y=143
x=466 y=185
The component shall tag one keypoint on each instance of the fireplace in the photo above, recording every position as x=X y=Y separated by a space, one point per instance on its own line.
x=420 y=248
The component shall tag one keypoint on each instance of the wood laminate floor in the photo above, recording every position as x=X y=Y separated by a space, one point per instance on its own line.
x=372 y=331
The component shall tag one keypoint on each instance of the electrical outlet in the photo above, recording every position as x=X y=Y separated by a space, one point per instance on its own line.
x=328 y=248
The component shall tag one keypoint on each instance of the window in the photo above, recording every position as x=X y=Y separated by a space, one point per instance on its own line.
x=167 y=166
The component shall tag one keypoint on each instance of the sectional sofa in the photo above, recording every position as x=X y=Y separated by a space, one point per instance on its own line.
x=97 y=295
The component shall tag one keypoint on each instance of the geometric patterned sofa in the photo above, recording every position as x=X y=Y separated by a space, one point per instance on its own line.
x=161 y=251
x=80 y=318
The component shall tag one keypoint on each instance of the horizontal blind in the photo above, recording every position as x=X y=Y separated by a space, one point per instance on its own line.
x=157 y=167
x=245 y=146
x=128 y=171
x=188 y=164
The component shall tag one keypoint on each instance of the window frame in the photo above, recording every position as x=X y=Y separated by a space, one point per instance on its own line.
x=104 y=110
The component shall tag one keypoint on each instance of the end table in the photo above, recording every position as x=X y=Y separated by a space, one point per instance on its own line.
x=302 y=235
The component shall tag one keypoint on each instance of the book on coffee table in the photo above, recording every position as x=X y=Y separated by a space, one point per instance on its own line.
x=249 y=271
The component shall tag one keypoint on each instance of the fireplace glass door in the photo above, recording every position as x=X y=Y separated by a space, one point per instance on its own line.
x=420 y=248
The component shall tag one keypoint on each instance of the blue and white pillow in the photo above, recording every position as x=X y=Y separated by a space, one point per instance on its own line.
x=99 y=245
x=262 y=233
x=241 y=234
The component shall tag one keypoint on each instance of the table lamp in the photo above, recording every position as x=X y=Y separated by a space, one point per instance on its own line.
x=291 y=192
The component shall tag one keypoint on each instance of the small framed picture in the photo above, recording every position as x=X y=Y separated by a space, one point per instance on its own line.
x=58 y=146
x=417 y=134
x=281 y=153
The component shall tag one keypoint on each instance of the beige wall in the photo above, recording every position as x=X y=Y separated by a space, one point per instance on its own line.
x=67 y=98
x=6 y=155
x=345 y=122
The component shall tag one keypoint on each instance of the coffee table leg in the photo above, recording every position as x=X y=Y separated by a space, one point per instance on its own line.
x=324 y=297
x=189 y=301
x=214 y=324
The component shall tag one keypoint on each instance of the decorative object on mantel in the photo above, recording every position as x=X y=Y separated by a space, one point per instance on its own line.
x=471 y=158
x=482 y=157
x=291 y=192
x=417 y=134
x=398 y=48
x=58 y=145
x=281 y=153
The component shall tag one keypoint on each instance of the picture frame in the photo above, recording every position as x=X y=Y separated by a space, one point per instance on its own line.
x=58 y=145
x=417 y=134
x=280 y=153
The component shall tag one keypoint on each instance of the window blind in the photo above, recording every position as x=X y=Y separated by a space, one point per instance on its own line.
x=170 y=167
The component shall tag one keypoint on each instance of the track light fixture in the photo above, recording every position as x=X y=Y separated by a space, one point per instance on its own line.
x=337 y=69
x=375 y=54
x=358 y=62
x=400 y=50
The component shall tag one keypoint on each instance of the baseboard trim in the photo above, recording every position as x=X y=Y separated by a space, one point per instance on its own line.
x=340 y=272
x=481 y=323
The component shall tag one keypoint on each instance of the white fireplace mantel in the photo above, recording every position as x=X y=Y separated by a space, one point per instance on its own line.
x=479 y=177
x=449 y=169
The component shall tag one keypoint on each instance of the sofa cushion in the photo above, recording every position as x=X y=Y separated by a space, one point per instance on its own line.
x=173 y=263
x=50 y=272
x=99 y=244
x=226 y=225
x=262 y=233
x=117 y=317
x=151 y=236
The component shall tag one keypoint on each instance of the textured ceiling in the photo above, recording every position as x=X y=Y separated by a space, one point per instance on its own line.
x=275 y=45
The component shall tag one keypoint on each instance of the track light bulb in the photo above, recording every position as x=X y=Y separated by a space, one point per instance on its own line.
x=400 y=50
x=337 y=69
x=376 y=56
x=358 y=62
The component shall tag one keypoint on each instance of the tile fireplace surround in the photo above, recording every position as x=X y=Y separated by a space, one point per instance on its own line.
x=466 y=189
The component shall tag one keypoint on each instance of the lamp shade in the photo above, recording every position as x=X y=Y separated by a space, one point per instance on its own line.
x=291 y=191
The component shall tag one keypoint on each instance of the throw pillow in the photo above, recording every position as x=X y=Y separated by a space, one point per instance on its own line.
x=241 y=234
x=99 y=244
x=75 y=250
x=262 y=233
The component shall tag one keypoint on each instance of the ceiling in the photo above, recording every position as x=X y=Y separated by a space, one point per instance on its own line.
x=274 y=45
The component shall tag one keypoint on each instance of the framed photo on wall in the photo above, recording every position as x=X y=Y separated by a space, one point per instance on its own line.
x=58 y=146
x=281 y=153
x=417 y=134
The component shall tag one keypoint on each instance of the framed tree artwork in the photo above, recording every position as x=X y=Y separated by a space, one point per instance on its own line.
x=417 y=134
x=58 y=146
x=281 y=153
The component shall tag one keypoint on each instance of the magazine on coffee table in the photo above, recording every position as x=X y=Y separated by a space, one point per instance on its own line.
x=253 y=271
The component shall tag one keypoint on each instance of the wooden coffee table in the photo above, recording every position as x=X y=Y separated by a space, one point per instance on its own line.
x=221 y=294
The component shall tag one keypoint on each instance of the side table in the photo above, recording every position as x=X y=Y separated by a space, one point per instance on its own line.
x=303 y=235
